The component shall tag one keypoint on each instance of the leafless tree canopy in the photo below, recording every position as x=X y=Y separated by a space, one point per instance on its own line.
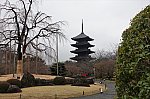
x=105 y=63
x=21 y=22
x=101 y=54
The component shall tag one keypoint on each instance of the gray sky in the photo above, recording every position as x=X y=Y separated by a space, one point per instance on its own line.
x=104 y=20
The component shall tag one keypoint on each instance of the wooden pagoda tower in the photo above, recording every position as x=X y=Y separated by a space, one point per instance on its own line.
x=82 y=46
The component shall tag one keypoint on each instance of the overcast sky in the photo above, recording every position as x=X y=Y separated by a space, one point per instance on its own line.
x=104 y=20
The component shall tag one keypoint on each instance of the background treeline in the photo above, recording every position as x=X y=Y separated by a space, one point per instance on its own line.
x=31 y=63
x=103 y=66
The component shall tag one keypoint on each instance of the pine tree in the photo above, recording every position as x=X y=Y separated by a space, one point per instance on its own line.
x=61 y=69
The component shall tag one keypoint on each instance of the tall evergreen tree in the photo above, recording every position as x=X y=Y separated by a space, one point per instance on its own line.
x=61 y=69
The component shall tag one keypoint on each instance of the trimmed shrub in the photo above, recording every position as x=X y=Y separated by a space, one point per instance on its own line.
x=90 y=81
x=43 y=82
x=27 y=80
x=80 y=82
x=4 y=86
x=39 y=82
x=69 y=81
x=13 y=89
x=50 y=82
x=59 y=81
x=15 y=82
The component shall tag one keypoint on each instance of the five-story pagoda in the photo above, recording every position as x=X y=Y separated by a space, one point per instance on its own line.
x=82 y=45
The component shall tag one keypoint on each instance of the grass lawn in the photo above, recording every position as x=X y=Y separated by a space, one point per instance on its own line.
x=49 y=92
x=10 y=76
x=52 y=92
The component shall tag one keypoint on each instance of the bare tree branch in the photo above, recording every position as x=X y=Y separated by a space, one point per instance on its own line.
x=22 y=21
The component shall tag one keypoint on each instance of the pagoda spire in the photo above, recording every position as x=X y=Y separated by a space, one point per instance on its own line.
x=82 y=25
x=82 y=45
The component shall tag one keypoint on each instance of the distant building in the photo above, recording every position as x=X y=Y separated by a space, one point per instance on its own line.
x=82 y=47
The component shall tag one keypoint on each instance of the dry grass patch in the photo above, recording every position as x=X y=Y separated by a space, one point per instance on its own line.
x=10 y=76
x=50 y=92
x=6 y=77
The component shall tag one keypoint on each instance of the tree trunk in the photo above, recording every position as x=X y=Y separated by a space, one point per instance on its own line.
x=19 y=68
x=19 y=62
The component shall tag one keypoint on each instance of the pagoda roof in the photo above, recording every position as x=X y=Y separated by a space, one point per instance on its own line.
x=79 y=58
x=82 y=44
x=82 y=36
x=82 y=51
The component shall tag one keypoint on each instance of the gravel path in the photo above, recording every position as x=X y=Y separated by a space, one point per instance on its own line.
x=109 y=94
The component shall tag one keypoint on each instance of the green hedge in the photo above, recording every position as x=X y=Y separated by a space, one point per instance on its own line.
x=59 y=81
x=133 y=59
x=81 y=82
x=4 y=86
x=27 y=80
x=43 y=82
x=15 y=82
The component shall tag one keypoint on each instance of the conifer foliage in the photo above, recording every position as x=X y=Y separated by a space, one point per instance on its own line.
x=61 y=69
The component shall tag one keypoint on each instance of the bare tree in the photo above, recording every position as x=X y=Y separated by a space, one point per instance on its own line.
x=105 y=63
x=21 y=20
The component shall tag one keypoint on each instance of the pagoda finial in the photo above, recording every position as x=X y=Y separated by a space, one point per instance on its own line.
x=82 y=25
